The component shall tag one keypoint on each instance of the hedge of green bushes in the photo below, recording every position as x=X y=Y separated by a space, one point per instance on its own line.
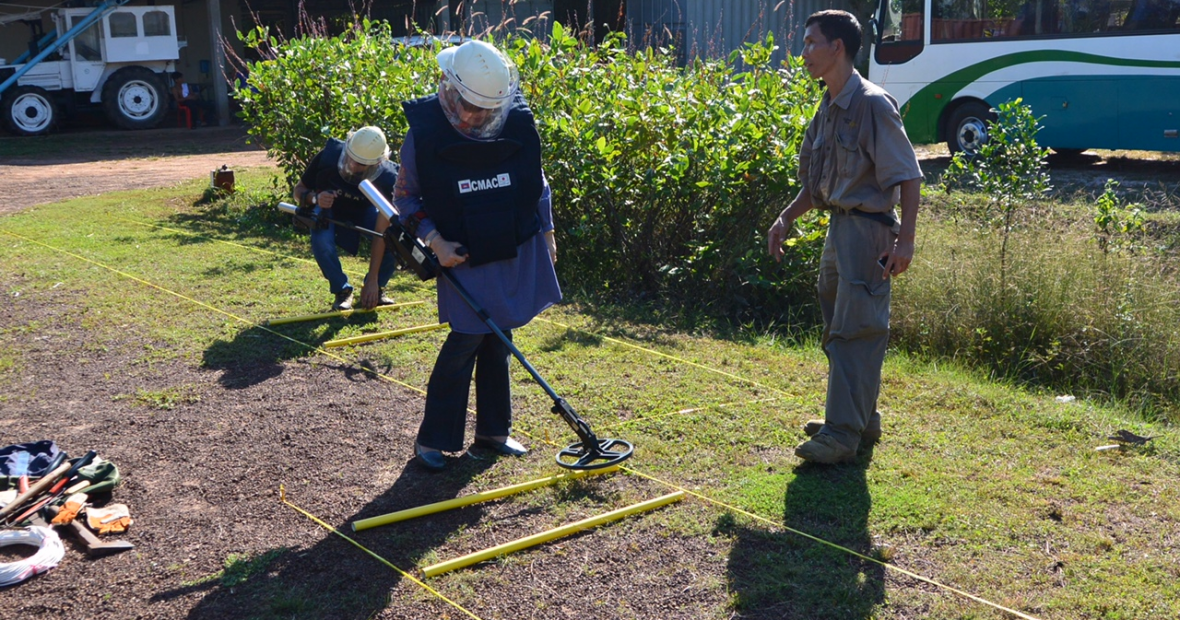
x=665 y=178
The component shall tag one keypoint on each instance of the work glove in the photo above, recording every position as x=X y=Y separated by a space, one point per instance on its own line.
x=74 y=504
x=114 y=518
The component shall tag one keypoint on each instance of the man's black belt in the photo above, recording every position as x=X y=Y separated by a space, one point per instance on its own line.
x=884 y=218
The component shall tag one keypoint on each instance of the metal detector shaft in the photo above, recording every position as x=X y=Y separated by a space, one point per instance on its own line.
x=560 y=406
x=593 y=448
x=287 y=207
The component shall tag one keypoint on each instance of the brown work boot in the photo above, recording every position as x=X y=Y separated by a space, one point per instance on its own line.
x=343 y=300
x=870 y=435
x=826 y=450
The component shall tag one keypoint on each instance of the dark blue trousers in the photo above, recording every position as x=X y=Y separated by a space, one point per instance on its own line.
x=450 y=382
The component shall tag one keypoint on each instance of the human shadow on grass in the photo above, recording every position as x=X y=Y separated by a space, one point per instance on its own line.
x=257 y=353
x=782 y=575
x=332 y=578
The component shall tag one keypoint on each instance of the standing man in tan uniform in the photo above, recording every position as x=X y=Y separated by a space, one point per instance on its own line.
x=857 y=163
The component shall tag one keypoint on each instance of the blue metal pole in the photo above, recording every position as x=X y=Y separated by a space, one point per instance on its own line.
x=40 y=44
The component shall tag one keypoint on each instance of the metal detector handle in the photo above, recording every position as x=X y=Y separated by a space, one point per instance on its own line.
x=304 y=216
x=412 y=252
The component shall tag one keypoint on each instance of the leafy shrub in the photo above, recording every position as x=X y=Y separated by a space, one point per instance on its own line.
x=313 y=88
x=1010 y=169
x=1118 y=226
x=664 y=178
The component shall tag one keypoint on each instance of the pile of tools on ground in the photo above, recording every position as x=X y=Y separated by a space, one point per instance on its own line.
x=42 y=487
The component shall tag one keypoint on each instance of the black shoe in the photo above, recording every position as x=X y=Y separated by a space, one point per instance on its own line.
x=343 y=300
x=385 y=300
x=510 y=446
x=434 y=461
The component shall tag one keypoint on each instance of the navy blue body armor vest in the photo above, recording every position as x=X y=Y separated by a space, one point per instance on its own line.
x=482 y=194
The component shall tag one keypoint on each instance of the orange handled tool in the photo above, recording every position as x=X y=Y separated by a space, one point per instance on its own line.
x=55 y=491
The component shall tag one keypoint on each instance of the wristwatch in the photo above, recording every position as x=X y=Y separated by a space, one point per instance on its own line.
x=313 y=197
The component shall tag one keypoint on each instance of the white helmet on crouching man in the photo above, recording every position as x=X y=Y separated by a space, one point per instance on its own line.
x=477 y=87
x=363 y=153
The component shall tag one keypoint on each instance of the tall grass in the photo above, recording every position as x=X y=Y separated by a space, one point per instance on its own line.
x=1066 y=315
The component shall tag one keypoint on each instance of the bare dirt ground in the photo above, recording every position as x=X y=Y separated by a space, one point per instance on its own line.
x=96 y=162
x=1143 y=176
x=201 y=478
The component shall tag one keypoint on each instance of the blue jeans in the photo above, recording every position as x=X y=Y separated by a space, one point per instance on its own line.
x=323 y=247
x=445 y=420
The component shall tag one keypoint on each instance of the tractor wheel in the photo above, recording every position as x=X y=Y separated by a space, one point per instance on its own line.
x=966 y=130
x=29 y=111
x=135 y=98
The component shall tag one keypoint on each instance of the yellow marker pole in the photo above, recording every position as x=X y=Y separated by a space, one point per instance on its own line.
x=536 y=539
x=475 y=498
x=338 y=313
x=380 y=336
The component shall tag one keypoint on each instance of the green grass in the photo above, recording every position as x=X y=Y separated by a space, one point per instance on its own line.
x=990 y=487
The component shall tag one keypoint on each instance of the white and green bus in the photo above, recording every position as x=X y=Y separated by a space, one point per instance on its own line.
x=1102 y=73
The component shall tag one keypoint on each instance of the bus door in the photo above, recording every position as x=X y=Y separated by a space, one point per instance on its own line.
x=1078 y=112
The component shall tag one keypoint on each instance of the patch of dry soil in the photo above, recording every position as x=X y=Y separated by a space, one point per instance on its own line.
x=102 y=162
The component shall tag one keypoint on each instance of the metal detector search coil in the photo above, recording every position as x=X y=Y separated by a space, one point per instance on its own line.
x=589 y=453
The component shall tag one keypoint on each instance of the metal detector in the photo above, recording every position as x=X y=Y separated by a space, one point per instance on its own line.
x=589 y=453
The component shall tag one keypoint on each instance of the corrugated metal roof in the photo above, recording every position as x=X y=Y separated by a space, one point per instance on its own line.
x=704 y=28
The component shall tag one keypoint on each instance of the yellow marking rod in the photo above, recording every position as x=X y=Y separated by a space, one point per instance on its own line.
x=536 y=539
x=338 y=313
x=475 y=498
x=343 y=342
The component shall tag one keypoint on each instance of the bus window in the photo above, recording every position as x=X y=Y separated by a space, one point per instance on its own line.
x=900 y=24
x=975 y=20
x=1037 y=17
x=1153 y=15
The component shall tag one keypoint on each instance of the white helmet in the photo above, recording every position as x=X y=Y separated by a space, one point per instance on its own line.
x=363 y=153
x=477 y=88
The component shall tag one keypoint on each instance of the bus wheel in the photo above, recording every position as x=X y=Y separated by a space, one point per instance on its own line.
x=967 y=127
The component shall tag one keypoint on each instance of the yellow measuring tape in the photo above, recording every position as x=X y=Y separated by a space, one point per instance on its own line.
x=321 y=523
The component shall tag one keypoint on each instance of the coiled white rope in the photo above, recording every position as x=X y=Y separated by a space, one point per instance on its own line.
x=50 y=551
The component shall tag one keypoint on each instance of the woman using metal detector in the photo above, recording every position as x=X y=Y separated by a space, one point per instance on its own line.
x=589 y=453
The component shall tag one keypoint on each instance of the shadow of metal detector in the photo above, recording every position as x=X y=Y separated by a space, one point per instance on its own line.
x=589 y=453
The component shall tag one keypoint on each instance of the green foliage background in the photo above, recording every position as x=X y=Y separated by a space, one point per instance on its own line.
x=664 y=178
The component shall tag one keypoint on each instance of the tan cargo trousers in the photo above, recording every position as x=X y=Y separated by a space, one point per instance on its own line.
x=855 y=304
